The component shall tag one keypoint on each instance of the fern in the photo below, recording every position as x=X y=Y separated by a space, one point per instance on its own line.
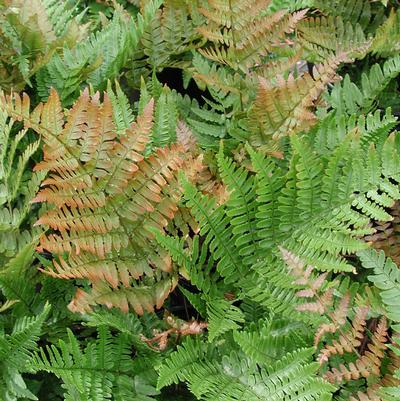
x=93 y=61
x=347 y=97
x=102 y=369
x=269 y=341
x=18 y=186
x=165 y=113
x=385 y=236
x=231 y=376
x=286 y=108
x=16 y=351
x=247 y=35
x=24 y=51
x=167 y=40
x=386 y=277
x=323 y=37
x=386 y=39
x=358 y=11
x=241 y=45
x=300 y=207
x=255 y=199
x=126 y=190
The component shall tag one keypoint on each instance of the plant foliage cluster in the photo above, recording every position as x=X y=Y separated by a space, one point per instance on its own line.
x=199 y=199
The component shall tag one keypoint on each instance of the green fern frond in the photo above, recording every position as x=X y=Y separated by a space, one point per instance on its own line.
x=372 y=128
x=18 y=186
x=347 y=97
x=353 y=11
x=240 y=208
x=323 y=37
x=222 y=317
x=181 y=361
x=97 y=59
x=386 y=40
x=102 y=367
x=386 y=277
x=214 y=227
x=165 y=120
x=276 y=5
x=13 y=280
x=122 y=112
x=269 y=185
x=167 y=40
x=271 y=340
x=16 y=350
x=233 y=376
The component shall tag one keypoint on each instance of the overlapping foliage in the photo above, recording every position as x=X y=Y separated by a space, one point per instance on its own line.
x=229 y=233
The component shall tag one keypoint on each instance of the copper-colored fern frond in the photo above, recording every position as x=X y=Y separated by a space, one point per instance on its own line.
x=240 y=32
x=312 y=284
x=387 y=235
x=350 y=340
x=185 y=136
x=368 y=363
x=389 y=379
x=141 y=299
x=104 y=198
x=369 y=395
x=337 y=317
x=320 y=300
x=287 y=107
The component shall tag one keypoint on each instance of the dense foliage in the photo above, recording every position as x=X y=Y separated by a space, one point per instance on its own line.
x=199 y=199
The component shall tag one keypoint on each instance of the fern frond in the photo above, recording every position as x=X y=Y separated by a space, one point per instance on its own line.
x=241 y=35
x=387 y=36
x=222 y=317
x=95 y=60
x=232 y=377
x=16 y=351
x=167 y=39
x=369 y=395
x=122 y=112
x=386 y=237
x=287 y=107
x=18 y=186
x=165 y=120
x=386 y=277
x=271 y=340
x=349 y=341
x=355 y=12
x=241 y=208
x=181 y=361
x=347 y=97
x=94 y=373
x=213 y=225
x=140 y=298
x=25 y=51
x=367 y=364
x=105 y=192
x=323 y=37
